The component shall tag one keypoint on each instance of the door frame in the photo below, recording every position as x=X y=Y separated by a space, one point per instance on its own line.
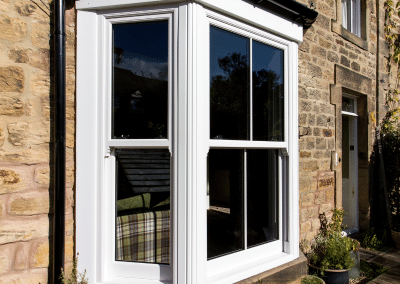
x=351 y=193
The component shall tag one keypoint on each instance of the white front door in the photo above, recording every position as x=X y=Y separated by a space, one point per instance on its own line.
x=349 y=165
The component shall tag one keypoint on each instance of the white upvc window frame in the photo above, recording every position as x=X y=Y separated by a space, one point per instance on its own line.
x=351 y=16
x=188 y=139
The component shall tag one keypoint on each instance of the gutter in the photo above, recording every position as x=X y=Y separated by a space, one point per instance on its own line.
x=299 y=11
x=60 y=137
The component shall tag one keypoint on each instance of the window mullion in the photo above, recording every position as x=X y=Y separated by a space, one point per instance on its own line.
x=245 y=198
x=251 y=90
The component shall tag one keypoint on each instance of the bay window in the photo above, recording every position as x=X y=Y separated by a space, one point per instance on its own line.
x=186 y=141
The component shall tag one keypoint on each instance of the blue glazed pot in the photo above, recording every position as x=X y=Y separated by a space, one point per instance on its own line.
x=332 y=276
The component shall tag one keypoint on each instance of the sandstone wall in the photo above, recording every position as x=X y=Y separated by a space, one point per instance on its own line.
x=333 y=61
x=26 y=140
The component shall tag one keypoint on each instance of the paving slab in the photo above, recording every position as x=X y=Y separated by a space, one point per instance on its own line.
x=389 y=259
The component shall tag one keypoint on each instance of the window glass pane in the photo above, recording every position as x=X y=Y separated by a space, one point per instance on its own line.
x=268 y=93
x=225 y=193
x=345 y=146
x=143 y=205
x=262 y=196
x=229 y=85
x=347 y=104
x=140 y=80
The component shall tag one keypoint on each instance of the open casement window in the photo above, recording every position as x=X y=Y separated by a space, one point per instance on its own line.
x=187 y=168
x=351 y=16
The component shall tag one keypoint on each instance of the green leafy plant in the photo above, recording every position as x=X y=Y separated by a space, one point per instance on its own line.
x=311 y=279
x=371 y=270
x=330 y=249
x=75 y=277
x=374 y=240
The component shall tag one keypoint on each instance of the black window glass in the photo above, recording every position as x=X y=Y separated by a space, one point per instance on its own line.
x=262 y=196
x=225 y=225
x=268 y=93
x=229 y=85
x=143 y=205
x=140 y=80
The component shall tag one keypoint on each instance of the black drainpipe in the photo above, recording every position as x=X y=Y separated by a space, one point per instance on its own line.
x=60 y=129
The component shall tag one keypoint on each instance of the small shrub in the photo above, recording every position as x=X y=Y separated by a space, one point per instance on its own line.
x=374 y=240
x=371 y=270
x=311 y=279
x=329 y=249
x=75 y=277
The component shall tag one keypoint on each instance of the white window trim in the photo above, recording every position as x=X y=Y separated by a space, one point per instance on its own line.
x=351 y=16
x=189 y=243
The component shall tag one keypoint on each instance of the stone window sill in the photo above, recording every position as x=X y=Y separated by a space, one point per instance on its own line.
x=338 y=28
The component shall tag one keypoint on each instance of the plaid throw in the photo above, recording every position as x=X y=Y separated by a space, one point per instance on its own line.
x=144 y=237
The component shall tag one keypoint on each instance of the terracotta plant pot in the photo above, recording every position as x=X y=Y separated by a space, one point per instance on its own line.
x=332 y=276
x=396 y=238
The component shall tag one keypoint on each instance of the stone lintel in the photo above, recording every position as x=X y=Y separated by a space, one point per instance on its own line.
x=352 y=80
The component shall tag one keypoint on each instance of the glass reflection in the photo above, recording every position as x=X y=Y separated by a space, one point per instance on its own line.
x=225 y=213
x=229 y=85
x=262 y=197
x=143 y=205
x=268 y=93
x=140 y=80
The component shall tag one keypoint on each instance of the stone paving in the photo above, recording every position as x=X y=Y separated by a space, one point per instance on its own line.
x=389 y=259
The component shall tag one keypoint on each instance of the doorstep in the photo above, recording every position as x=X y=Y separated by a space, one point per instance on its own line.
x=288 y=273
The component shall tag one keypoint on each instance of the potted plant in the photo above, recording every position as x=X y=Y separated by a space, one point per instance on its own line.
x=329 y=252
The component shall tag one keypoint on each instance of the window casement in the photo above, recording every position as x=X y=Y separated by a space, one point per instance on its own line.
x=351 y=16
x=187 y=167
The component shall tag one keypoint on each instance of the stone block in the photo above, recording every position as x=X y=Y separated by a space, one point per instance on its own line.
x=306 y=199
x=305 y=154
x=42 y=175
x=315 y=224
x=40 y=85
x=10 y=181
x=322 y=120
x=305 y=227
x=317 y=131
x=27 y=8
x=40 y=254
x=303 y=215
x=309 y=165
x=325 y=208
x=343 y=51
x=21 y=256
x=18 y=55
x=31 y=203
x=319 y=197
x=355 y=66
x=302 y=119
x=40 y=35
x=12 y=79
x=314 y=70
x=311 y=119
x=4 y=7
x=318 y=51
x=11 y=106
x=304 y=106
x=320 y=143
x=325 y=43
x=24 y=133
x=12 y=29
x=34 y=155
x=23 y=229
x=6 y=257
x=330 y=195
x=2 y=137
x=353 y=80
x=344 y=61
x=36 y=276
x=310 y=143
x=327 y=132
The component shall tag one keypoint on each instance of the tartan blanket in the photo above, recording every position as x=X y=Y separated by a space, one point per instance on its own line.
x=144 y=237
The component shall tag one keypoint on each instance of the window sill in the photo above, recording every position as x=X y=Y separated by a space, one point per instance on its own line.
x=338 y=28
